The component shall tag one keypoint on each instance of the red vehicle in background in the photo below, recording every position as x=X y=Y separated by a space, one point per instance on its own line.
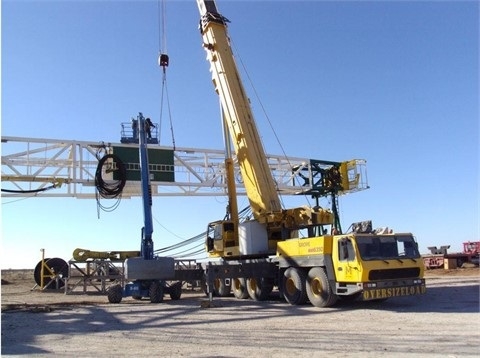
x=439 y=257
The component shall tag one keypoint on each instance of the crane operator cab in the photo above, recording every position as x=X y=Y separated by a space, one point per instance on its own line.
x=220 y=237
x=129 y=132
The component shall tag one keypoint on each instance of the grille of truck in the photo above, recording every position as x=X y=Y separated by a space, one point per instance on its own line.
x=392 y=274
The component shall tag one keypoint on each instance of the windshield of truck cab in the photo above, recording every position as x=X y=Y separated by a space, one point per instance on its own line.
x=374 y=247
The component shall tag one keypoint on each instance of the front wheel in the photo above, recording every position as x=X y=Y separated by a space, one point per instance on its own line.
x=176 y=290
x=319 y=291
x=156 y=292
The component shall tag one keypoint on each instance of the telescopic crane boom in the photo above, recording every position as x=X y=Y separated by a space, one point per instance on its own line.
x=237 y=113
x=259 y=184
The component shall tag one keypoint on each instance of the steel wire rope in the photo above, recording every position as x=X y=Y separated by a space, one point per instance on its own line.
x=163 y=61
x=182 y=243
x=188 y=250
x=162 y=31
x=243 y=215
x=174 y=247
x=165 y=92
x=19 y=199
x=191 y=254
x=237 y=55
x=193 y=251
x=165 y=228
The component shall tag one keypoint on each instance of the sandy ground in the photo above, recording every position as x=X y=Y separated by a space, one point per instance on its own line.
x=445 y=322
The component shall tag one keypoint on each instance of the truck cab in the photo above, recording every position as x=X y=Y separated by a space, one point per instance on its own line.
x=366 y=266
x=377 y=265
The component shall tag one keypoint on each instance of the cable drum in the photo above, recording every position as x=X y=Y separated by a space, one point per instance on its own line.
x=111 y=188
x=57 y=271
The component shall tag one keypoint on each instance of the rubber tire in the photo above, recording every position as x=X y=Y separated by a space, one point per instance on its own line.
x=293 y=286
x=239 y=288
x=176 y=290
x=259 y=288
x=115 y=294
x=319 y=291
x=155 y=292
x=220 y=288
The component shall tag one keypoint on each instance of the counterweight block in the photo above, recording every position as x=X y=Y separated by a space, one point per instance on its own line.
x=161 y=268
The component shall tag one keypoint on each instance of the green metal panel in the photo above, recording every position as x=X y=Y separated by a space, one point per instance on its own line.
x=160 y=163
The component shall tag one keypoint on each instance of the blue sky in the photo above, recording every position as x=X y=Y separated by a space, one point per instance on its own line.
x=395 y=83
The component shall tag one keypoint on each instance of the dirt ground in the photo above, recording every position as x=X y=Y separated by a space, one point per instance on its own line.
x=445 y=322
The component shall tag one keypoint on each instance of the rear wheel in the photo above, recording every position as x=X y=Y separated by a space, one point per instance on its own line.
x=319 y=291
x=259 y=288
x=239 y=288
x=114 y=294
x=293 y=286
x=221 y=288
x=176 y=290
x=156 y=292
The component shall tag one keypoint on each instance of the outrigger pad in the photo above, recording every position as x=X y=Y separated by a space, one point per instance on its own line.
x=160 y=268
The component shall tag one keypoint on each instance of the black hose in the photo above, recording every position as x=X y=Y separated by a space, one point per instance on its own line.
x=113 y=188
x=28 y=191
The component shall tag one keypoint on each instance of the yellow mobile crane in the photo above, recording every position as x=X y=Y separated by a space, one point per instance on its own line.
x=256 y=255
